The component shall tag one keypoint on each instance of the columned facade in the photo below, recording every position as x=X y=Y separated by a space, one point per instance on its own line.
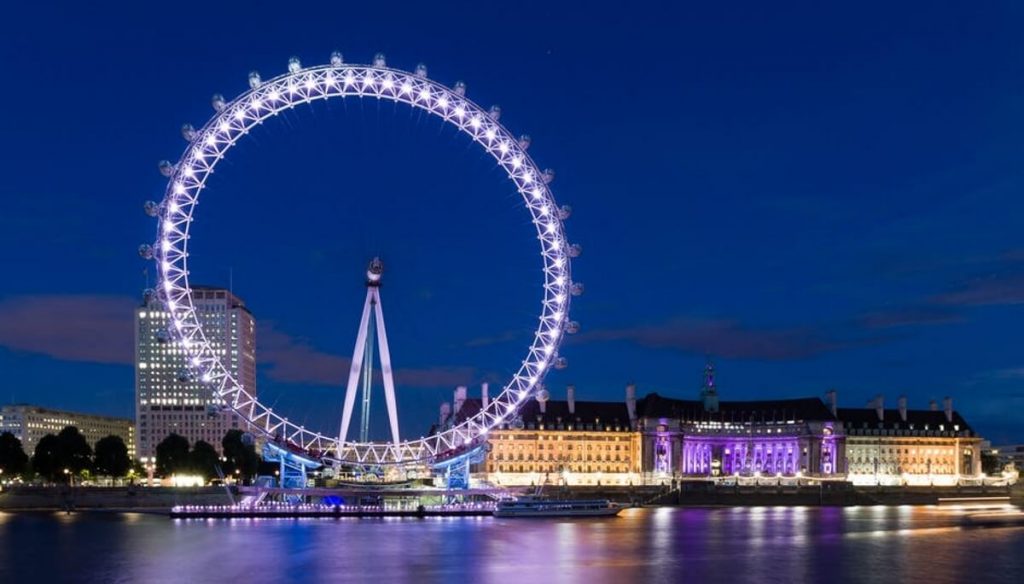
x=660 y=440
x=783 y=438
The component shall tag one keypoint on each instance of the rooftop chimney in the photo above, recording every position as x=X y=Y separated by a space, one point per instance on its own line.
x=832 y=401
x=459 y=399
x=903 y=407
x=947 y=405
x=932 y=406
x=571 y=398
x=446 y=410
x=880 y=407
x=631 y=402
x=485 y=399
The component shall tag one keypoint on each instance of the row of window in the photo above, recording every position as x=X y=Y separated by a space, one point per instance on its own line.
x=870 y=468
x=552 y=457
x=499 y=447
x=534 y=437
x=892 y=452
x=556 y=468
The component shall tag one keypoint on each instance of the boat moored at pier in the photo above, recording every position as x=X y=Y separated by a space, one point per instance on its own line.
x=543 y=507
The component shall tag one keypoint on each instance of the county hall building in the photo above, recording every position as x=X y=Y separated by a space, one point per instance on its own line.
x=657 y=439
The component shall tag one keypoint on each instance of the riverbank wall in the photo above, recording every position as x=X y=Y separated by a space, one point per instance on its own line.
x=162 y=499
x=157 y=499
x=831 y=494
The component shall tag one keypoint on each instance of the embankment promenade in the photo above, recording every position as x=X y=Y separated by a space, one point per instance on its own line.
x=162 y=499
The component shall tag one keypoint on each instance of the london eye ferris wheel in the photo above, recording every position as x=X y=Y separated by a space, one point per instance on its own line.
x=233 y=120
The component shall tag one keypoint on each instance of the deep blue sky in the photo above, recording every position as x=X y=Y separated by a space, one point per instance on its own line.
x=820 y=197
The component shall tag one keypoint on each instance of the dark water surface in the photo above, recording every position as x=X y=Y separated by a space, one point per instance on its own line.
x=777 y=544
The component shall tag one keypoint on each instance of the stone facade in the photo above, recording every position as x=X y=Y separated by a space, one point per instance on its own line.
x=786 y=438
x=30 y=423
x=658 y=439
x=909 y=447
x=557 y=442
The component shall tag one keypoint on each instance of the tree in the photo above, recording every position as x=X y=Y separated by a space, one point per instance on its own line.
x=112 y=457
x=13 y=459
x=240 y=454
x=172 y=455
x=68 y=450
x=74 y=450
x=46 y=458
x=203 y=459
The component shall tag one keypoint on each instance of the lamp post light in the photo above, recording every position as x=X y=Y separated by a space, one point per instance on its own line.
x=150 y=464
x=70 y=478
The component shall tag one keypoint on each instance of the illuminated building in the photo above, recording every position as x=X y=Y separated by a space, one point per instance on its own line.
x=556 y=442
x=168 y=396
x=658 y=439
x=30 y=423
x=712 y=438
x=909 y=447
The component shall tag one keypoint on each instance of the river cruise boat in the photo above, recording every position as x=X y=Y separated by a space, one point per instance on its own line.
x=543 y=507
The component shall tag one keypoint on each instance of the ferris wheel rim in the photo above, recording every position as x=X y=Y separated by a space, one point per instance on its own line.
x=232 y=121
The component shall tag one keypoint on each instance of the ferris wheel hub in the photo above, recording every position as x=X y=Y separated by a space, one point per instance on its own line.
x=374 y=272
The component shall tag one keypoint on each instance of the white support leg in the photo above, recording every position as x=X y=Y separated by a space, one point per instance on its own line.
x=385 y=367
x=357 y=365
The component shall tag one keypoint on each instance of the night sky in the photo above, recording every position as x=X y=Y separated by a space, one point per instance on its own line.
x=817 y=197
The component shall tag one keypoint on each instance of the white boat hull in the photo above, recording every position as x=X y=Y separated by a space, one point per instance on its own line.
x=610 y=512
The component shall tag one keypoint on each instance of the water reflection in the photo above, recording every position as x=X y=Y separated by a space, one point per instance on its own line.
x=781 y=544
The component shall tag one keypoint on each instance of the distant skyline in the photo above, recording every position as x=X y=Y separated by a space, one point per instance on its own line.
x=816 y=196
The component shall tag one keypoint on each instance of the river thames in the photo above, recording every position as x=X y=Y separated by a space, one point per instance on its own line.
x=766 y=544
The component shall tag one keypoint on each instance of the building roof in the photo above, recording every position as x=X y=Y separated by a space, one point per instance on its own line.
x=857 y=418
x=811 y=408
x=586 y=413
x=235 y=301
x=655 y=406
x=36 y=409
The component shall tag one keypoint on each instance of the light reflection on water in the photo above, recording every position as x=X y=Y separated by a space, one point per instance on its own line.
x=760 y=544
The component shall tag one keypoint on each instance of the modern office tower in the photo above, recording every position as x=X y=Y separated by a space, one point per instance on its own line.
x=30 y=423
x=168 y=397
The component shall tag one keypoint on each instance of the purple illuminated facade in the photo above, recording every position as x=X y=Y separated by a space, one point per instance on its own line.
x=731 y=455
x=708 y=438
x=770 y=448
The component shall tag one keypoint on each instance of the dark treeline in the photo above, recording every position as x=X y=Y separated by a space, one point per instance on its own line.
x=66 y=456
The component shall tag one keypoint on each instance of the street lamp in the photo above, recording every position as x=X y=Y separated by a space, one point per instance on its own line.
x=150 y=464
